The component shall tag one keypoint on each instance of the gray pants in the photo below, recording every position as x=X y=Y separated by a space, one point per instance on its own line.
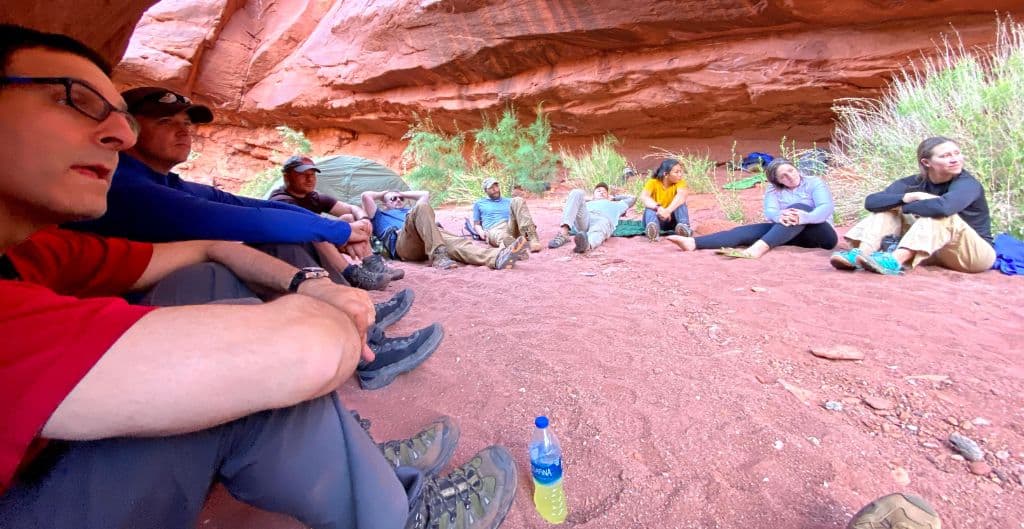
x=311 y=461
x=576 y=216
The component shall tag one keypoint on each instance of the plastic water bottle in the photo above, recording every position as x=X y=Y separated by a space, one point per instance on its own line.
x=546 y=466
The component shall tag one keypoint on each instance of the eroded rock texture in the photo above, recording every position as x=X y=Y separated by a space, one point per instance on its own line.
x=667 y=73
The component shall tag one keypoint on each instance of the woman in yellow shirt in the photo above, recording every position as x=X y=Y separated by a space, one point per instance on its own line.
x=664 y=198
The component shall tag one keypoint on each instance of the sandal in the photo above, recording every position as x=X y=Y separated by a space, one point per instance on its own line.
x=734 y=253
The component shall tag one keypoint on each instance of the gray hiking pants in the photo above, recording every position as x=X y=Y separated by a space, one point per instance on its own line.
x=578 y=217
x=312 y=461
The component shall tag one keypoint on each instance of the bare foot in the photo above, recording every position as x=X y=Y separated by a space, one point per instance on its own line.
x=686 y=244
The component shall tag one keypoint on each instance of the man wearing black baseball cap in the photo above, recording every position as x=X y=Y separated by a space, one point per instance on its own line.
x=147 y=202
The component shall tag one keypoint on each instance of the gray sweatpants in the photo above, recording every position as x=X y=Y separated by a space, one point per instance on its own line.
x=576 y=216
x=311 y=461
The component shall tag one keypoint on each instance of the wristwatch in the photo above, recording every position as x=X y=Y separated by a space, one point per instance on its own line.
x=305 y=274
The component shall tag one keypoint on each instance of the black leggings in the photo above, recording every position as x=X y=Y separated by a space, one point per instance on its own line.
x=821 y=235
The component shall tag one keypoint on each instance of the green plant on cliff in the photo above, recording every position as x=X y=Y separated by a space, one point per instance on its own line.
x=292 y=142
x=600 y=163
x=437 y=161
x=517 y=155
x=975 y=97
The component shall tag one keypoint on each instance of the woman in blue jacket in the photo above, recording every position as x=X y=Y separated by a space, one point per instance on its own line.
x=799 y=210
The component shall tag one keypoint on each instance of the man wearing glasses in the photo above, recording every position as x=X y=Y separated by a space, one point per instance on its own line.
x=119 y=415
x=411 y=234
x=299 y=189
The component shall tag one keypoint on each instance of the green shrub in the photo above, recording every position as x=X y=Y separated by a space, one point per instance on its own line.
x=602 y=163
x=293 y=142
x=437 y=159
x=516 y=155
x=975 y=97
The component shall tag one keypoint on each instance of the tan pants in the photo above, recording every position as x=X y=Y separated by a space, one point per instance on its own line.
x=420 y=236
x=946 y=241
x=519 y=223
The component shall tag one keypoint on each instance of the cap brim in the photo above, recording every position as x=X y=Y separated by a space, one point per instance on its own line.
x=303 y=168
x=198 y=114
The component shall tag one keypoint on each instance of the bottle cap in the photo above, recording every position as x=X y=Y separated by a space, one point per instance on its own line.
x=541 y=422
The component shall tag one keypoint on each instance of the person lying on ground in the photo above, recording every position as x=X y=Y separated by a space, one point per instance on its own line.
x=939 y=216
x=149 y=202
x=664 y=199
x=499 y=220
x=593 y=220
x=125 y=415
x=299 y=189
x=799 y=211
x=412 y=234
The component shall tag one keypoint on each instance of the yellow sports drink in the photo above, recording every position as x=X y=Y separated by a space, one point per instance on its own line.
x=546 y=467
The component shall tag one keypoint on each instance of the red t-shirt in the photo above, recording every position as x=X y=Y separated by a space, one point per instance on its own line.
x=55 y=324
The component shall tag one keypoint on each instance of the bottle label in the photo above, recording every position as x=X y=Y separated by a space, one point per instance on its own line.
x=546 y=474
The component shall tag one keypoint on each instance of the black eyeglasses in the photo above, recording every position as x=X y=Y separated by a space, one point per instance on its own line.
x=395 y=199
x=80 y=97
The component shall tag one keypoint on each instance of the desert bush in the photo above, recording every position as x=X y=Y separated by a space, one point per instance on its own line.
x=973 y=96
x=517 y=155
x=437 y=161
x=601 y=163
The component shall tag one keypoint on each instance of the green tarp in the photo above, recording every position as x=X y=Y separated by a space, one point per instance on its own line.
x=346 y=177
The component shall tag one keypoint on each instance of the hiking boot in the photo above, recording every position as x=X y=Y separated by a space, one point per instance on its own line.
x=428 y=451
x=397 y=355
x=360 y=277
x=880 y=263
x=375 y=264
x=896 y=511
x=684 y=230
x=476 y=495
x=508 y=255
x=439 y=259
x=560 y=240
x=393 y=309
x=652 y=231
x=845 y=260
x=581 y=242
x=534 y=240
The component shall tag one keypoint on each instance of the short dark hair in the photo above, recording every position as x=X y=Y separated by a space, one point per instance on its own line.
x=16 y=38
x=664 y=169
x=602 y=184
x=772 y=171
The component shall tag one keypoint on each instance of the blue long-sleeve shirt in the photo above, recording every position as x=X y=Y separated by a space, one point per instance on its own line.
x=963 y=195
x=812 y=191
x=145 y=205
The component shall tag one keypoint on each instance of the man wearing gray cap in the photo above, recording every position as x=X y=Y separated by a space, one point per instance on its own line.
x=500 y=220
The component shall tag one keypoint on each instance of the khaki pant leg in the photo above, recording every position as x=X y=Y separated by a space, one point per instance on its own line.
x=869 y=232
x=464 y=250
x=950 y=243
x=420 y=235
x=520 y=220
x=500 y=234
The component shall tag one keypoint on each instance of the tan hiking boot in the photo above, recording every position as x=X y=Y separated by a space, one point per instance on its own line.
x=439 y=259
x=896 y=511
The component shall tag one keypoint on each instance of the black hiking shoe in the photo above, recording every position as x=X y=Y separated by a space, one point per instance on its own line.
x=581 y=243
x=560 y=240
x=476 y=495
x=392 y=310
x=360 y=277
x=375 y=264
x=428 y=451
x=397 y=355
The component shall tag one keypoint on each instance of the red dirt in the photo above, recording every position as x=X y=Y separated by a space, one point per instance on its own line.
x=665 y=375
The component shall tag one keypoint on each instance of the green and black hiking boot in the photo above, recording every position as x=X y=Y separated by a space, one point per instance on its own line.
x=476 y=495
x=429 y=450
x=896 y=511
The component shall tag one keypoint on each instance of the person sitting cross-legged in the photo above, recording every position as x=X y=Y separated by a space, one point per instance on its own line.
x=939 y=216
x=412 y=234
x=799 y=212
x=593 y=220
x=124 y=415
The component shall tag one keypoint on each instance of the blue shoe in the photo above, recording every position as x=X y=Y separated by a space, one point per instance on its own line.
x=397 y=355
x=845 y=260
x=392 y=310
x=880 y=263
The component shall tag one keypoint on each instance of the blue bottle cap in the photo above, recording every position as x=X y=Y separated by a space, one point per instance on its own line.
x=541 y=422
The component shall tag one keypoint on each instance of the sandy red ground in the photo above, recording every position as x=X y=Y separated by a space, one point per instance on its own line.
x=685 y=398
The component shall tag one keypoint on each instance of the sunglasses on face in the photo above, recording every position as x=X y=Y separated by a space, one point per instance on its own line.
x=394 y=199
x=79 y=96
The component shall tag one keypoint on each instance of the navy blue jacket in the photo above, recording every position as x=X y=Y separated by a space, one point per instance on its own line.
x=144 y=205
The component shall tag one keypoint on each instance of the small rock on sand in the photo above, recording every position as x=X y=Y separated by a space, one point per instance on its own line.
x=901 y=476
x=966 y=446
x=980 y=468
x=878 y=403
x=837 y=352
x=758 y=289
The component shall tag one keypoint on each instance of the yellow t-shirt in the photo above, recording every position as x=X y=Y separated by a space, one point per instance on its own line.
x=661 y=194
